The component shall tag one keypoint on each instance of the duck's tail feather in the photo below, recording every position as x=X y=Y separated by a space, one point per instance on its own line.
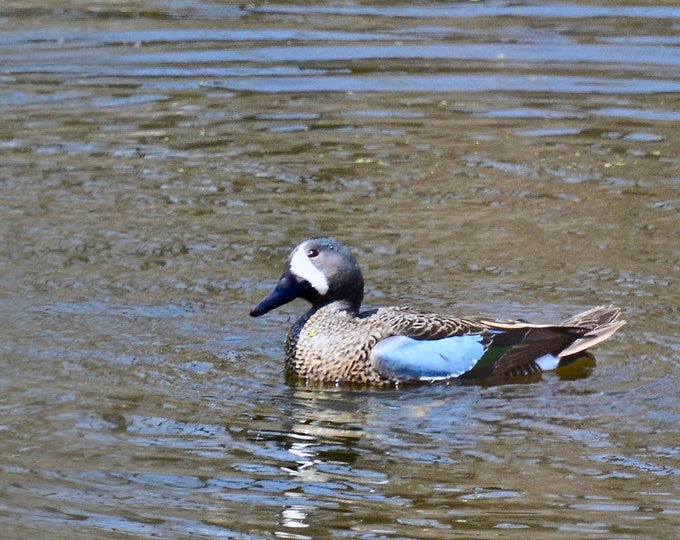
x=601 y=322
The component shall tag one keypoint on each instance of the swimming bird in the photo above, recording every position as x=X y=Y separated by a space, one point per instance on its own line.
x=335 y=342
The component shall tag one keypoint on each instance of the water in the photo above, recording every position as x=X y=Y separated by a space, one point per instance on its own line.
x=159 y=161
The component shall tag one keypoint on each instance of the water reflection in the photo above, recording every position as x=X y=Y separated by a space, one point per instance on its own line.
x=336 y=439
x=323 y=430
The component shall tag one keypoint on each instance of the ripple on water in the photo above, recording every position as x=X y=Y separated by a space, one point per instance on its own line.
x=160 y=161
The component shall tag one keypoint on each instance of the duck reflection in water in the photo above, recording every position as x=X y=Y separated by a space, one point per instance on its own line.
x=324 y=429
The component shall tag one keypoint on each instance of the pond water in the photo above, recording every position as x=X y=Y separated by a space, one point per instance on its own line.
x=160 y=159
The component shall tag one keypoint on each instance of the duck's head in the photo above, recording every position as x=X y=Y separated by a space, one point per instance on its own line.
x=320 y=270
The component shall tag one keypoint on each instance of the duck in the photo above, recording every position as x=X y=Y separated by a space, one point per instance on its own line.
x=337 y=342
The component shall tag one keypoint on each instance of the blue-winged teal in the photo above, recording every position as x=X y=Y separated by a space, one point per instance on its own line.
x=335 y=342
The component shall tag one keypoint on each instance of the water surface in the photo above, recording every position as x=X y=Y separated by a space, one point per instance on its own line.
x=158 y=163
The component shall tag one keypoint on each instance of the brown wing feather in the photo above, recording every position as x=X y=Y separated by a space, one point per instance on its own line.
x=419 y=324
x=594 y=317
x=536 y=343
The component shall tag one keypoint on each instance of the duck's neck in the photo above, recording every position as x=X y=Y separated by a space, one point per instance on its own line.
x=349 y=306
x=350 y=300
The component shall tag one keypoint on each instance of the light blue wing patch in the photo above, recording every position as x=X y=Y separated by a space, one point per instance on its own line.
x=405 y=359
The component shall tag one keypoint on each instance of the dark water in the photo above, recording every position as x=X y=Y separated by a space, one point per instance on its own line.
x=159 y=159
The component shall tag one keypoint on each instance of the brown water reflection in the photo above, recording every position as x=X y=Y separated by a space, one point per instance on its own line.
x=158 y=163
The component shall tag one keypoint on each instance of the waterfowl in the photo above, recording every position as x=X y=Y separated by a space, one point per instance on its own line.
x=336 y=342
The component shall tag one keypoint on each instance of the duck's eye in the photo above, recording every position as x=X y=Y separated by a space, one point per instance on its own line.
x=312 y=253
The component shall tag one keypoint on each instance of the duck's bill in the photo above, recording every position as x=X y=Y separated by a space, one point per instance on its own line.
x=287 y=289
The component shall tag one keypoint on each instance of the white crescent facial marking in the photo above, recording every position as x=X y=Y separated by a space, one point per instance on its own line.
x=303 y=268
